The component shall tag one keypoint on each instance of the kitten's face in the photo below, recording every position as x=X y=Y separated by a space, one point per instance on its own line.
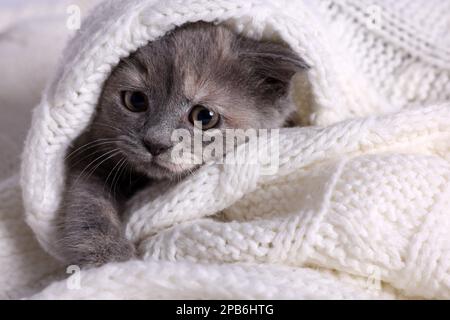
x=199 y=72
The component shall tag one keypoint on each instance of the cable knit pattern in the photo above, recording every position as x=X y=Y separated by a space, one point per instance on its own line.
x=362 y=195
x=372 y=196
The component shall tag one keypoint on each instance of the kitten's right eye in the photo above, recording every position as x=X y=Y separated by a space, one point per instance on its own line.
x=135 y=101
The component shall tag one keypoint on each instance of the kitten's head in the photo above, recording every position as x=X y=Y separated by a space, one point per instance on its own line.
x=197 y=73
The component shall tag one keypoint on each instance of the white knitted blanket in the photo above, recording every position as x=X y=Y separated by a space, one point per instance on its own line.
x=360 y=206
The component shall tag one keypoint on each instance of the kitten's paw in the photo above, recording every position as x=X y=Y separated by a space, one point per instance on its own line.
x=97 y=253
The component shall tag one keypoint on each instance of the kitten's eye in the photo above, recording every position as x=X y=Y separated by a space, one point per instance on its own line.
x=135 y=101
x=207 y=118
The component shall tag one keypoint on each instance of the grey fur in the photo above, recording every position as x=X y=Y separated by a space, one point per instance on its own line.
x=246 y=81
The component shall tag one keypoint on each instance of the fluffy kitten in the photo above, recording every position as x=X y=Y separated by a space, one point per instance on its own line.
x=198 y=72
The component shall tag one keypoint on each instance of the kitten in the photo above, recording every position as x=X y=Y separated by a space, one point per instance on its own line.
x=198 y=72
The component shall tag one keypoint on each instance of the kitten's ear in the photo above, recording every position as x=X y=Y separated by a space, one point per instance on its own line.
x=273 y=65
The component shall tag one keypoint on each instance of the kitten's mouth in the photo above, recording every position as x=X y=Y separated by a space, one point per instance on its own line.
x=162 y=166
x=172 y=167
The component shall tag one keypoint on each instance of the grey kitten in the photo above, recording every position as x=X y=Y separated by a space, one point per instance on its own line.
x=198 y=72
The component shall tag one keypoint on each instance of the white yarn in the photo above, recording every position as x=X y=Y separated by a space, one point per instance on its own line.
x=353 y=200
x=372 y=195
x=182 y=280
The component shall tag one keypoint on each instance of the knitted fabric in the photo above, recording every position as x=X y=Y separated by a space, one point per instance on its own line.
x=363 y=194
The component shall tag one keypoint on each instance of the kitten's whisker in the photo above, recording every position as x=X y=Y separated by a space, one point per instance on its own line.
x=111 y=172
x=113 y=184
x=103 y=161
x=94 y=143
x=88 y=156
x=93 y=162
x=126 y=130
x=80 y=153
x=121 y=171
x=107 y=126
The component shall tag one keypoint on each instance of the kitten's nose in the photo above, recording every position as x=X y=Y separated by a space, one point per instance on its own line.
x=155 y=149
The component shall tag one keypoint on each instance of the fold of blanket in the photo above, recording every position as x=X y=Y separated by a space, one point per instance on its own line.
x=184 y=280
x=355 y=201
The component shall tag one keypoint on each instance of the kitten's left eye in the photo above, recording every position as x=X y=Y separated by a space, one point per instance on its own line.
x=206 y=118
x=135 y=101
